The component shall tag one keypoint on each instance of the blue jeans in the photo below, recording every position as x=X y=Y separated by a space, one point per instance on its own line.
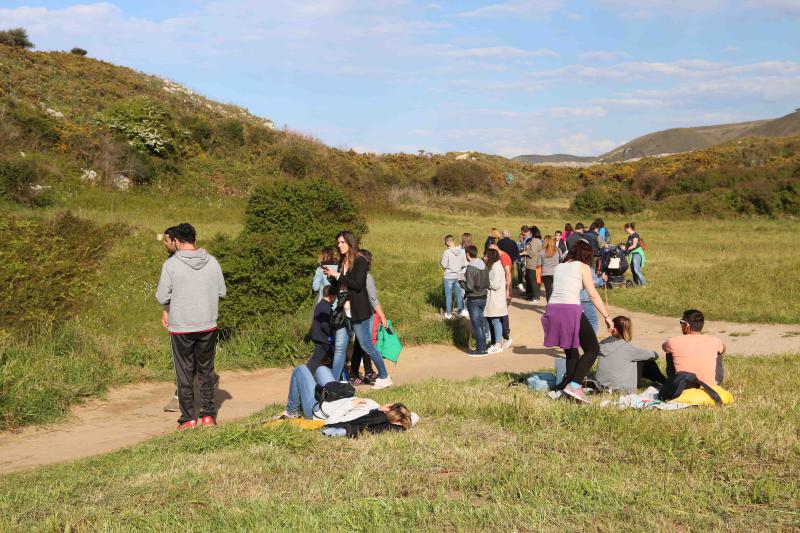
x=363 y=331
x=497 y=327
x=475 y=308
x=636 y=269
x=302 y=387
x=341 y=340
x=451 y=285
x=591 y=314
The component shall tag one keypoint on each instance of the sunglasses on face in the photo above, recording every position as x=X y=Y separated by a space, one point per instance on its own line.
x=682 y=322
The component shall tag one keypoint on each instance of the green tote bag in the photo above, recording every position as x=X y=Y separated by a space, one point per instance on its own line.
x=389 y=344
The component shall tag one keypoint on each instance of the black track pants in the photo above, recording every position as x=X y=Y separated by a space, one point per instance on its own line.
x=194 y=355
x=579 y=365
x=531 y=287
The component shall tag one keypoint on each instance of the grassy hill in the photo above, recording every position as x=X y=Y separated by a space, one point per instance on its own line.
x=677 y=140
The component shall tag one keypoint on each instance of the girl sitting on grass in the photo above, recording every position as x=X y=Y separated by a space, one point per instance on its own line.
x=621 y=364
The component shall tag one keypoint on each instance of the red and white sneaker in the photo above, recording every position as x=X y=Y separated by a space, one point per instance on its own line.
x=208 y=421
x=189 y=424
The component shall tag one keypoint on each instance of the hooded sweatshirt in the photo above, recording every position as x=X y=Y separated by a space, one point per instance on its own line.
x=476 y=280
x=191 y=285
x=616 y=366
x=454 y=261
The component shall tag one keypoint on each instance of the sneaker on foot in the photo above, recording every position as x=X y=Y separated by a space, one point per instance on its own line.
x=495 y=348
x=576 y=391
x=448 y=316
x=208 y=421
x=283 y=416
x=465 y=313
x=189 y=424
x=478 y=353
x=508 y=343
x=382 y=383
x=172 y=406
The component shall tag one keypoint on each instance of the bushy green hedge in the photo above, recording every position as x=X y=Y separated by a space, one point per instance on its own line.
x=597 y=200
x=20 y=181
x=268 y=267
x=462 y=177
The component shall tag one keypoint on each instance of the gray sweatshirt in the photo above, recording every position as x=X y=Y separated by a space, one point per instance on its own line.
x=454 y=261
x=372 y=291
x=191 y=285
x=616 y=366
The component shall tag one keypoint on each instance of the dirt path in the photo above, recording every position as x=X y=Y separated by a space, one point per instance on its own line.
x=131 y=414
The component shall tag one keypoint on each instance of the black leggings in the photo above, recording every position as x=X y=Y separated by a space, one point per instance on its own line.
x=355 y=362
x=649 y=370
x=578 y=366
x=531 y=287
x=548 y=286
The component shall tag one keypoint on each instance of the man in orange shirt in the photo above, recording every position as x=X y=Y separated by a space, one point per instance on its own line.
x=694 y=352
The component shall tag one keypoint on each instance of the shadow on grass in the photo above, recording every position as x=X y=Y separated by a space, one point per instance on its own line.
x=525 y=350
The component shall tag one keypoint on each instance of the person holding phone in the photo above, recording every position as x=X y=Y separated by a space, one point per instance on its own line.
x=351 y=277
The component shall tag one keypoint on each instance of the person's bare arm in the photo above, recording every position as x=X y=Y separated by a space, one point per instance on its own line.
x=379 y=311
x=165 y=318
x=588 y=284
x=508 y=282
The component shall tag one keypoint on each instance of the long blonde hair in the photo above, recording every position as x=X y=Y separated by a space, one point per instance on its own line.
x=624 y=327
x=549 y=246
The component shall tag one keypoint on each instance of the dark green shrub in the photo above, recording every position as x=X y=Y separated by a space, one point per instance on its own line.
x=78 y=51
x=462 y=177
x=38 y=130
x=16 y=37
x=269 y=265
x=595 y=200
x=232 y=132
x=297 y=159
x=21 y=180
x=200 y=130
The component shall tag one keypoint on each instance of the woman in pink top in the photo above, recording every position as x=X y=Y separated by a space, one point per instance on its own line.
x=694 y=352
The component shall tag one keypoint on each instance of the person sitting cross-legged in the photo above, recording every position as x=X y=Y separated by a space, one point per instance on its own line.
x=621 y=365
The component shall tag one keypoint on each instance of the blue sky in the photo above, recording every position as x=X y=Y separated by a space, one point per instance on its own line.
x=509 y=77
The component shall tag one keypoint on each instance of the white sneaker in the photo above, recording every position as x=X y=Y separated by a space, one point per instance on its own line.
x=465 y=313
x=508 y=343
x=495 y=348
x=521 y=287
x=554 y=394
x=448 y=316
x=382 y=383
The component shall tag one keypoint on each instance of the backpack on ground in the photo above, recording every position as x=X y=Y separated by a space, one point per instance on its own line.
x=682 y=381
x=332 y=391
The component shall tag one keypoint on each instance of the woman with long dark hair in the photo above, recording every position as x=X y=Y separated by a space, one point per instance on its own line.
x=352 y=279
x=564 y=323
x=496 y=304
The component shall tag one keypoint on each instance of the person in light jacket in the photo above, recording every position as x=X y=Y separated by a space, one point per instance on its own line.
x=454 y=261
x=496 y=303
x=621 y=364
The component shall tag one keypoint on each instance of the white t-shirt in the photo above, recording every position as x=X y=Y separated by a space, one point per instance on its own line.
x=567 y=283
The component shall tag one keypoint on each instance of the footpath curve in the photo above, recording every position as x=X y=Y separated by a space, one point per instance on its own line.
x=133 y=413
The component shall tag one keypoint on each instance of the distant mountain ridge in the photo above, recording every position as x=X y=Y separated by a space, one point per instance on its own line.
x=678 y=140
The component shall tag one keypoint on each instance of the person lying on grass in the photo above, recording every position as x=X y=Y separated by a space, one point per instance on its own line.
x=302 y=388
x=387 y=417
x=621 y=365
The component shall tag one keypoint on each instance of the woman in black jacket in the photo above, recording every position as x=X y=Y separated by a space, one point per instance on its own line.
x=352 y=278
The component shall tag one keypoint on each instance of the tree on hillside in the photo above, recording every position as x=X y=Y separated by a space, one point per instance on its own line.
x=16 y=37
x=78 y=51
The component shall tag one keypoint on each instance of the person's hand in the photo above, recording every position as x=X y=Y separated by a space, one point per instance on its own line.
x=385 y=322
x=604 y=276
x=165 y=319
x=609 y=323
x=359 y=401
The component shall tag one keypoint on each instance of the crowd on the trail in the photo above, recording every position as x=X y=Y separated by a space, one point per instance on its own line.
x=569 y=266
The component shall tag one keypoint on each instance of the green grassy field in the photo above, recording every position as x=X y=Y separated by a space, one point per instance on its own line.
x=718 y=269
x=484 y=457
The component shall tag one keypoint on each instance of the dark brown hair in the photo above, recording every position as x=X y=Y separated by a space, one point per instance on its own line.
x=581 y=251
x=492 y=257
x=471 y=250
x=624 y=327
x=352 y=245
x=400 y=415
x=631 y=225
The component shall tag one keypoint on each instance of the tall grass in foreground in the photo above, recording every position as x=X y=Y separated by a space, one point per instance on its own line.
x=484 y=457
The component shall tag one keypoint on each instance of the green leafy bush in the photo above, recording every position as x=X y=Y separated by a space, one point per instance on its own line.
x=269 y=265
x=46 y=267
x=596 y=199
x=78 y=51
x=146 y=124
x=462 y=177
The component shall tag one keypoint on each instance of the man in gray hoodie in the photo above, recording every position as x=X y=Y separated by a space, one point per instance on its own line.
x=454 y=261
x=191 y=284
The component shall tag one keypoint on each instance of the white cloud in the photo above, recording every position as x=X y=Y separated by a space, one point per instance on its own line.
x=603 y=55
x=582 y=144
x=499 y=51
x=515 y=8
